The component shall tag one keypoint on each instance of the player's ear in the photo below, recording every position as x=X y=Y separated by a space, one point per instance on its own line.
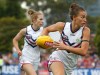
x=74 y=18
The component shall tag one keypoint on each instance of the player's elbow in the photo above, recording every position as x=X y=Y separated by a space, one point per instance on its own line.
x=14 y=40
x=84 y=52
x=45 y=31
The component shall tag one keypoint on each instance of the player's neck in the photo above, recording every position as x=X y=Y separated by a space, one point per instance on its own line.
x=36 y=28
x=75 y=27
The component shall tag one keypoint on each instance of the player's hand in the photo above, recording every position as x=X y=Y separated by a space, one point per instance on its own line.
x=19 y=52
x=59 y=45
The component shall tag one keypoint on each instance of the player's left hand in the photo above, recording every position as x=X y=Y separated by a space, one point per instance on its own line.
x=59 y=45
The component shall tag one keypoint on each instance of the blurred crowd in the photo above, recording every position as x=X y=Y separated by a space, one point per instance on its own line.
x=91 y=60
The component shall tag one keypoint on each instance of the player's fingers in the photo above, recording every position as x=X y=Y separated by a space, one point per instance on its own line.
x=55 y=42
x=55 y=46
x=19 y=53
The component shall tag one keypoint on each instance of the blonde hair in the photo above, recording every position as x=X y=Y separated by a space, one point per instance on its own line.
x=33 y=14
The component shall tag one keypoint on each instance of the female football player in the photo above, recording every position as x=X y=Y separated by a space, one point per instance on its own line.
x=30 y=54
x=75 y=37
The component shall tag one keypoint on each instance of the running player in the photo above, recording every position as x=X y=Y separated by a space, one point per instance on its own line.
x=75 y=37
x=30 y=54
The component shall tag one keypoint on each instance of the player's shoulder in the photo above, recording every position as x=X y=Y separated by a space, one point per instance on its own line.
x=86 y=29
x=23 y=30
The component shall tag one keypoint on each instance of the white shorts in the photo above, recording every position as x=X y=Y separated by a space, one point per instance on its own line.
x=54 y=57
x=24 y=60
x=30 y=55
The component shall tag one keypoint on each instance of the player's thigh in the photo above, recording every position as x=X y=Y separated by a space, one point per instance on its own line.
x=57 y=68
x=29 y=69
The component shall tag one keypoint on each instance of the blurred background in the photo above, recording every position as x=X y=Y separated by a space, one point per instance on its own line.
x=13 y=17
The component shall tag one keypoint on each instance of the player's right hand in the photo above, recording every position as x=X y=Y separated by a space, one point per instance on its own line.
x=19 y=53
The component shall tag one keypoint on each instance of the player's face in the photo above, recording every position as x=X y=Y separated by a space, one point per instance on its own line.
x=81 y=18
x=39 y=20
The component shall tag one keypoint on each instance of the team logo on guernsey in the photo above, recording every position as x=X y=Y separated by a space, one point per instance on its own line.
x=78 y=40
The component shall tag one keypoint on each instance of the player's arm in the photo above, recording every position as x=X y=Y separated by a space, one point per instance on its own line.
x=84 y=45
x=18 y=37
x=52 y=28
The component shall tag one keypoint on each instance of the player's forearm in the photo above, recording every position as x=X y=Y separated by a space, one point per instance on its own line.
x=80 y=51
x=15 y=43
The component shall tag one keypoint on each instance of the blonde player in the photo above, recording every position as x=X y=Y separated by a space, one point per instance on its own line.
x=30 y=54
x=75 y=41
